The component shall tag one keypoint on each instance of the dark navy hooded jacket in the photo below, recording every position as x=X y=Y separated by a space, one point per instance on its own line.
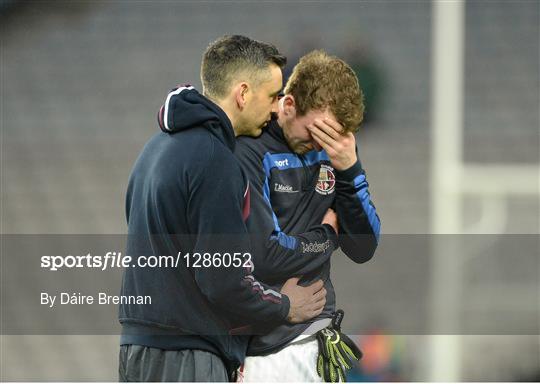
x=187 y=193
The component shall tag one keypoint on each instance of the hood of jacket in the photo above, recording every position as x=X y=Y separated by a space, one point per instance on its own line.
x=185 y=108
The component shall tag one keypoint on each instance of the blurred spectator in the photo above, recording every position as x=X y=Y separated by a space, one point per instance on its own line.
x=383 y=359
x=370 y=76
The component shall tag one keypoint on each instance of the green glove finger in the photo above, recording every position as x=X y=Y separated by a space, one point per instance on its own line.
x=332 y=353
x=342 y=357
x=350 y=356
x=320 y=368
x=323 y=362
x=326 y=370
x=333 y=374
x=321 y=340
x=337 y=374
x=341 y=374
x=352 y=349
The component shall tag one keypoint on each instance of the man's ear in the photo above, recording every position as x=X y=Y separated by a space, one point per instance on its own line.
x=288 y=106
x=241 y=91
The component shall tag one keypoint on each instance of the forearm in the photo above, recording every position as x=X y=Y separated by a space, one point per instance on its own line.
x=358 y=219
x=284 y=256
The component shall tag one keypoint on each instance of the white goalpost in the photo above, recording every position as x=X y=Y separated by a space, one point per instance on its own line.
x=452 y=180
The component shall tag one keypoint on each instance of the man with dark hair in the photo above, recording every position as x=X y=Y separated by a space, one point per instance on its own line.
x=304 y=164
x=186 y=181
x=248 y=103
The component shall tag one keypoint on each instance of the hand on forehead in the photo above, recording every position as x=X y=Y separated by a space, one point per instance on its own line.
x=340 y=145
x=329 y=125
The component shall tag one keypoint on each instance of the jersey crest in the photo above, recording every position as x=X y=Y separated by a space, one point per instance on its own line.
x=327 y=180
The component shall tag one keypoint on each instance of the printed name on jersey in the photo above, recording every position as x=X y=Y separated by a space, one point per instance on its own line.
x=283 y=188
x=327 y=180
x=315 y=247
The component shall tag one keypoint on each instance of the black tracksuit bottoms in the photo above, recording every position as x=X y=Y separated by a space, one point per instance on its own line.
x=140 y=363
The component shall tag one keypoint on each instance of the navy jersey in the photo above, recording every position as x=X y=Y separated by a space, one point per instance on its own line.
x=290 y=195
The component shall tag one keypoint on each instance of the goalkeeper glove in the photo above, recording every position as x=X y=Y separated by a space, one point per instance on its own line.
x=337 y=351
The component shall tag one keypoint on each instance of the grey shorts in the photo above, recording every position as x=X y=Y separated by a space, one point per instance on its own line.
x=140 y=363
